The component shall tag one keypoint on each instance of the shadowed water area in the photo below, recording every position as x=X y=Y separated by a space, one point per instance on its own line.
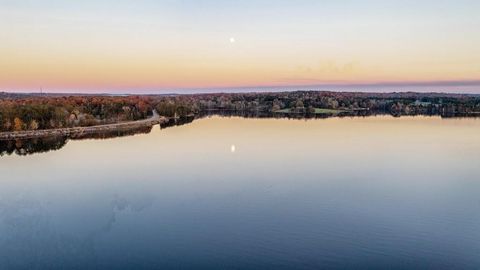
x=245 y=193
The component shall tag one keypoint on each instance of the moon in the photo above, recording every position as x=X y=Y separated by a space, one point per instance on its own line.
x=233 y=148
x=232 y=40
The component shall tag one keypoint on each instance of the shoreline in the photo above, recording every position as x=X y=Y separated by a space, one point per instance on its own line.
x=78 y=132
x=81 y=131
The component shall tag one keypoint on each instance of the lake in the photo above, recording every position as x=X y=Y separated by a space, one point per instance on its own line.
x=234 y=193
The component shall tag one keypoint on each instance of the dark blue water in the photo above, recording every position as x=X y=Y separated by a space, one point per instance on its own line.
x=231 y=193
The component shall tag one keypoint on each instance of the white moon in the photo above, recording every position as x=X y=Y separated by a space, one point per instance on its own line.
x=232 y=148
x=232 y=40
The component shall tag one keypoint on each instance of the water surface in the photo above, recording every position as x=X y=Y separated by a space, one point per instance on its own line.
x=234 y=193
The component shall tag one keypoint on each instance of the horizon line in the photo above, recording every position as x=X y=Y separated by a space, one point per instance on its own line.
x=244 y=92
x=327 y=87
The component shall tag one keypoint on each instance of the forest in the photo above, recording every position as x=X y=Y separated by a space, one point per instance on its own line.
x=34 y=111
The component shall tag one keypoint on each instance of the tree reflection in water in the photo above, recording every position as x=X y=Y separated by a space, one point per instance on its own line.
x=30 y=146
x=25 y=147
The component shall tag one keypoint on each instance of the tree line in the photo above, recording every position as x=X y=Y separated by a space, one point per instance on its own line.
x=31 y=112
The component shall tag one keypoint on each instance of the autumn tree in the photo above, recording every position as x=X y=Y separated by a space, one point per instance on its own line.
x=33 y=125
x=17 y=124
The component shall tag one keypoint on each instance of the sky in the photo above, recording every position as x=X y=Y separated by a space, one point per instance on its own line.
x=147 y=46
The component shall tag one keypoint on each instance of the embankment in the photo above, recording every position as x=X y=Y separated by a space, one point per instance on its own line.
x=82 y=131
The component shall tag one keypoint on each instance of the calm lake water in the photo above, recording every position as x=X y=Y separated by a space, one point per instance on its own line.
x=233 y=193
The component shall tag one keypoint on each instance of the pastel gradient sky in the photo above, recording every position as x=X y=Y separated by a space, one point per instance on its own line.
x=152 y=46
